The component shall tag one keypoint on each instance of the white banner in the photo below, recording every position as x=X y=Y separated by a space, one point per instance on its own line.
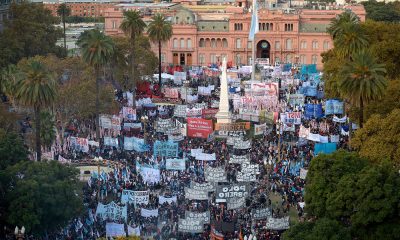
x=148 y=212
x=169 y=200
x=262 y=213
x=303 y=173
x=175 y=164
x=207 y=186
x=206 y=157
x=215 y=174
x=115 y=230
x=195 y=194
x=239 y=159
x=190 y=226
x=236 y=203
x=278 y=223
x=135 y=197
x=260 y=129
x=240 y=144
x=203 y=217
x=150 y=175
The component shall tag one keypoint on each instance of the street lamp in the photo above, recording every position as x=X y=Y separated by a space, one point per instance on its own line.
x=144 y=120
x=19 y=233
x=98 y=160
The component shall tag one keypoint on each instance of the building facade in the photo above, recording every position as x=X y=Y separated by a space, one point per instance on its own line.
x=81 y=8
x=203 y=35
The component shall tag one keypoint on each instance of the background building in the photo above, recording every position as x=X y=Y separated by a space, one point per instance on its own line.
x=204 y=34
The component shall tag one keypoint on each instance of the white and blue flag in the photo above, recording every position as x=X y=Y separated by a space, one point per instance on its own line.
x=254 y=22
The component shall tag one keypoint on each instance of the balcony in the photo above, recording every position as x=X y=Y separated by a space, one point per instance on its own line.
x=182 y=49
x=289 y=50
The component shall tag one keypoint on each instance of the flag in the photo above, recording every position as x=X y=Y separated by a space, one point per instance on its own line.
x=240 y=234
x=254 y=23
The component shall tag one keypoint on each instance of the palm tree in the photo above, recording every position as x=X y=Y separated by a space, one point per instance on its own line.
x=133 y=26
x=351 y=40
x=96 y=49
x=363 y=80
x=160 y=30
x=47 y=129
x=36 y=88
x=8 y=82
x=346 y=18
x=64 y=11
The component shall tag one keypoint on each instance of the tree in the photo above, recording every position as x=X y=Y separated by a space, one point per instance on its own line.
x=36 y=89
x=8 y=81
x=362 y=81
x=336 y=28
x=380 y=138
x=322 y=229
x=64 y=11
x=12 y=149
x=97 y=50
x=351 y=40
x=359 y=194
x=47 y=129
x=159 y=30
x=133 y=26
x=31 y=32
x=41 y=196
x=381 y=11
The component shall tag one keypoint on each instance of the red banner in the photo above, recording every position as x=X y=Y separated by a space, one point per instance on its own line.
x=198 y=127
x=209 y=113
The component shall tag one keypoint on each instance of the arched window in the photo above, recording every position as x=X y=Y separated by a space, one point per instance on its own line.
x=303 y=44
x=326 y=45
x=289 y=44
x=303 y=59
x=314 y=59
x=238 y=43
x=202 y=42
x=175 y=43
x=208 y=42
x=289 y=58
x=189 y=43
x=182 y=43
x=238 y=59
x=219 y=44
x=213 y=43
x=315 y=44
x=224 y=43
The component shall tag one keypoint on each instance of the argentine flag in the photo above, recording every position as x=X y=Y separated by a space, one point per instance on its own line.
x=254 y=22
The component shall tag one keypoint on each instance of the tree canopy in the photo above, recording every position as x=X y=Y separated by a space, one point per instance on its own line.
x=381 y=11
x=31 y=32
x=12 y=149
x=42 y=196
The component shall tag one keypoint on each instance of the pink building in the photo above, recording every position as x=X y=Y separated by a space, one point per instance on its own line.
x=204 y=34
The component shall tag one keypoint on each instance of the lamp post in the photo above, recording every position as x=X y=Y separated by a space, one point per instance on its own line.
x=19 y=233
x=144 y=120
x=98 y=160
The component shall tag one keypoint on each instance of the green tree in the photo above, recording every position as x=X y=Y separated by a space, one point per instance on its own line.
x=12 y=149
x=381 y=11
x=363 y=80
x=31 y=32
x=159 y=31
x=321 y=229
x=36 y=89
x=338 y=25
x=41 y=196
x=8 y=81
x=97 y=50
x=47 y=129
x=380 y=138
x=133 y=26
x=351 y=40
x=64 y=11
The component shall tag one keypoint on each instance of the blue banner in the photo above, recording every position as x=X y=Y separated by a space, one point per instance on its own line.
x=134 y=143
x=313 y=111
x=333 y=106
x=326 y=148
x=166 y=149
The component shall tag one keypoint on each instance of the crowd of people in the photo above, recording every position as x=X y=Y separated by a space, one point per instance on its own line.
x=274 y=193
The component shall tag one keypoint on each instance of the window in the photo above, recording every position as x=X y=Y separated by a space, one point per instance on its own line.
x=213 y=58
x=182 y=43
x=114 y=24
x=314 y=59
x=314 y=45
x=289 y=44
x=201 y=59
x=213 y=43
x=326 y=45
x=303 y=44
x=238 y=59
x=303 y=59
x=238 y=26
x=277 y=45
x=202 y=43
x=249 y=45
x=277 y=60
x=189 y=43
x=175 y=43
x=162 y=57
x=289 y=58
x=238 y=43
x=224 y=43
x=288 y=27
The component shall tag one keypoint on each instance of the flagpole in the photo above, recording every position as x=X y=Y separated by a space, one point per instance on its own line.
x=253 y=52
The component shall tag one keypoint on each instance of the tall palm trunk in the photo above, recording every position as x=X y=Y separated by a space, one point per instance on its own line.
x=37 y=133
x=361 y=113
x=97 y=69
x=159 y=64
x=133 y=69
x=65 y=37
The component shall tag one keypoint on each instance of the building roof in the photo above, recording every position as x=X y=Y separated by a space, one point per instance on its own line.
x=313 y=27
x=146 y=5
